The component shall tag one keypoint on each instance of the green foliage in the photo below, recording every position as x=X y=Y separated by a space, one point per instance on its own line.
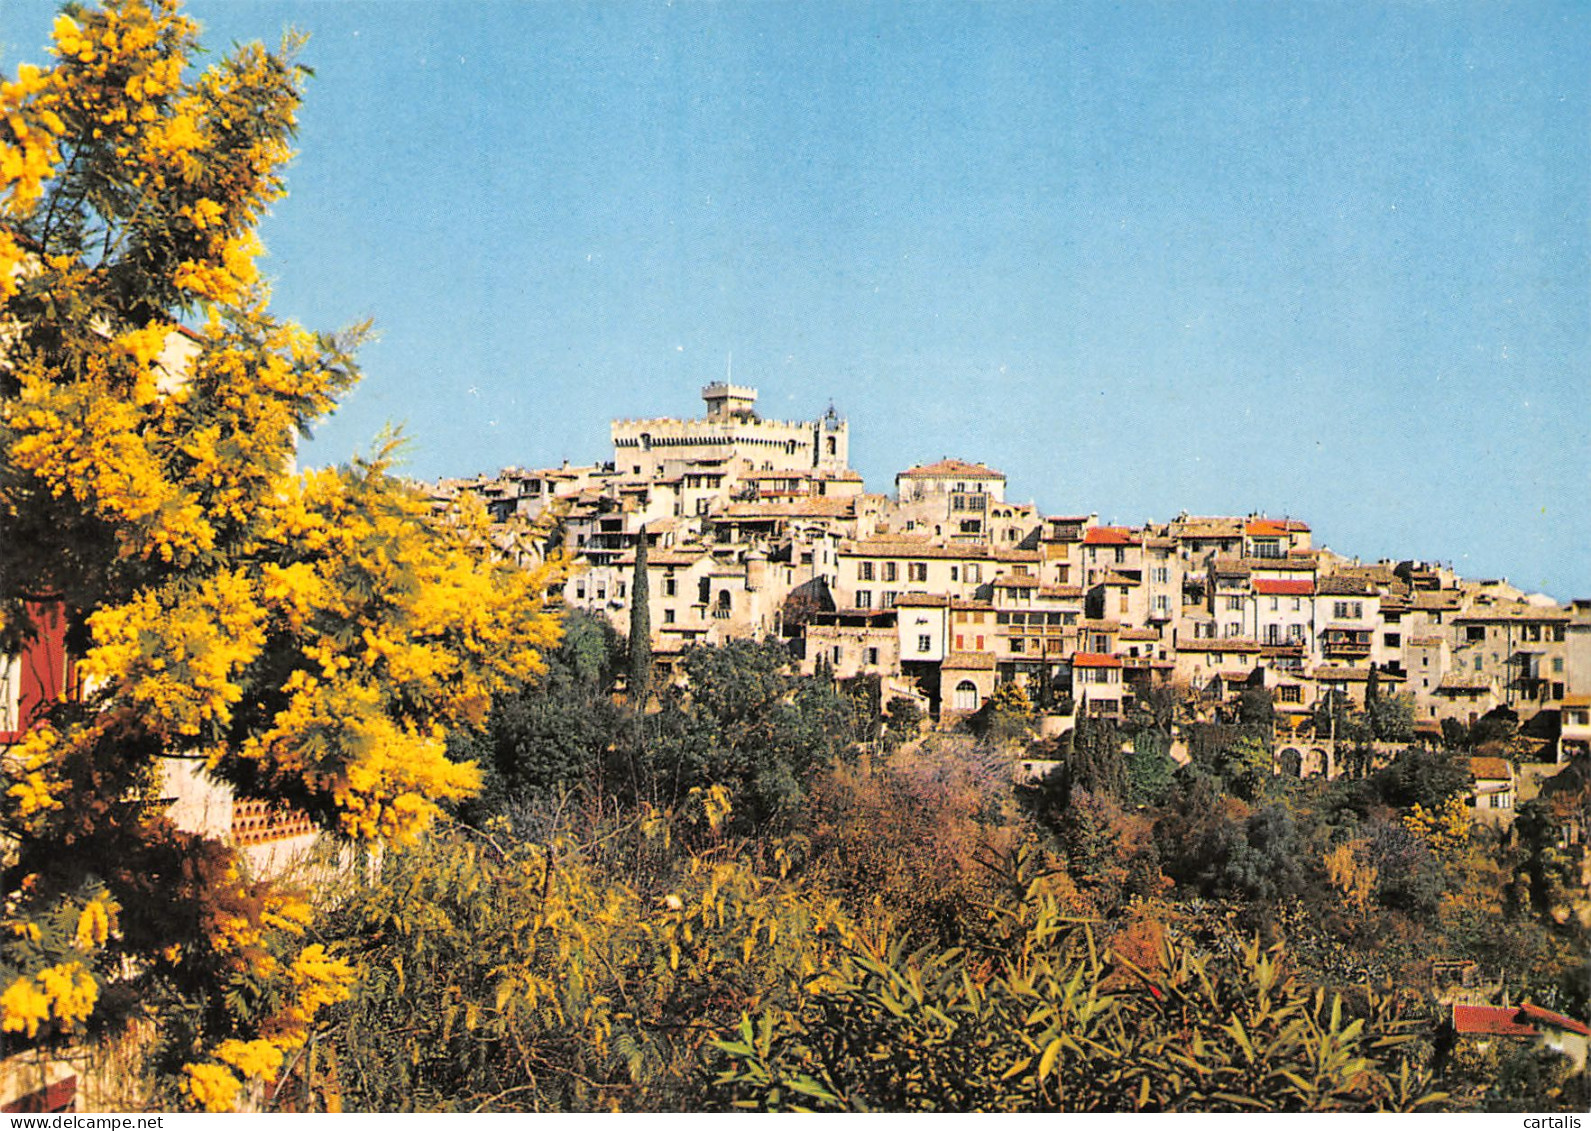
x=554 y=737
x=903 y=721
x=1062 y=1025
x=578 y=974
x=640 y=682
x=1391 y=718
x=1422 y=776
x=746 y=721
x=1149 y=768
x=1006 y=715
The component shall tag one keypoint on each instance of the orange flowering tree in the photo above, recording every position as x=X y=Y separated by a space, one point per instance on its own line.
x=310 y=637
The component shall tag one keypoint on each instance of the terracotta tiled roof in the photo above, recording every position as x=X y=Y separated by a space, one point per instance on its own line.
x=1556 y=1020
x=1095 y=660
x=1490 y=1020
x=1015 y=581
x=1332 y=673
x=969 y=662
x=1491 y=769
x=1274 y=587
x=1343 y=585
x=1116 y=577
x=902 y=548
x=1227 y=644
x=1507 y=1021
x=922 y=600
x=1274 y=527
x=950 y=469
x=1108 y=536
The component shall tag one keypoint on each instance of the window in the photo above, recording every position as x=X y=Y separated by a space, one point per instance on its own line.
x=1016 y=644
x=889 y=598
x=1501 y=801
x=955 y=573
x=864 y=571
x=1234 y=604
x=668 y=616
x=1557 y=665
x=1276 y=604
x=890 y=569
x=864 y=598
x=1161 y=575
x=670 y=586
x=961 y=642
x=966 y=697
x=1475 y=633
x=917 y=571
x=1290 y=693
x=1348 y=610
x=925 y=642
x=1234 y=629
x=1393 y=640
x=836 y=655
x=974 y=573
x=872 y=656
x=1121 y=554
x=980 y=643
x=1298 y=604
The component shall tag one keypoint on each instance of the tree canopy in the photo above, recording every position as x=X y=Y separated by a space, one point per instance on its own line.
x=308 y=636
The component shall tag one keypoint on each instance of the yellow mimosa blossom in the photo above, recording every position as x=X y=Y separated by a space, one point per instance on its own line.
x=23 y=1008
x=211 y=1086
x=258 y=1059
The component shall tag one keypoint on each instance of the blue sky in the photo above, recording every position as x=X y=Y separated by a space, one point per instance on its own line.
x=1330 y=260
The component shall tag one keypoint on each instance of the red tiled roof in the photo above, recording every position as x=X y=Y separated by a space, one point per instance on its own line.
x=1269 y=587
x=1490 y=1020
x=1095 y=660
x=1271 y=527
x=1507 y=1021
x=1556 y=1020
x=950 y=469
x=1016 y=581
x=1108 y=536
x=1490 y=769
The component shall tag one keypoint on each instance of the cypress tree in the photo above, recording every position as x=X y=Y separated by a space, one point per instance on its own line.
x=640 y=628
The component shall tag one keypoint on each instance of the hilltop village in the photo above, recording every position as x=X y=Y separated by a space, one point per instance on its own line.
x=948 y=589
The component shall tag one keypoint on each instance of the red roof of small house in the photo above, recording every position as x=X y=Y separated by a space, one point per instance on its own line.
x=1273 y=587
x=1508 y=1021
x=1490 y=1020
x=1491 y=769
x=1555 y=1020
x=1108 y=536
x=1095 y=660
